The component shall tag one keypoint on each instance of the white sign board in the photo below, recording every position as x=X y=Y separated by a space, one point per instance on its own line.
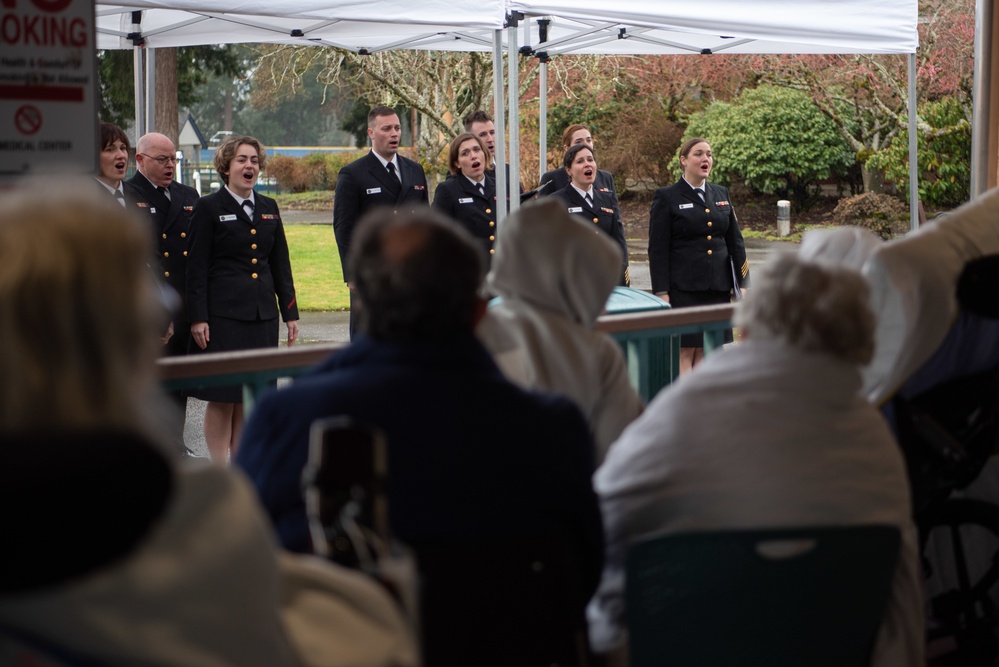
x=48 y=87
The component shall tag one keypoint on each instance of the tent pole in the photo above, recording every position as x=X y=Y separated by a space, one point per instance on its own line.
x=980 y=104
x=513 y=100
x=137 y=72
x=543 y=99
x=150 y=90
x=543 y=118
x=913 y=161
x=499 y=107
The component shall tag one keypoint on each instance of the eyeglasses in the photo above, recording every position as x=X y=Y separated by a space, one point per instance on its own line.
x=164 y=160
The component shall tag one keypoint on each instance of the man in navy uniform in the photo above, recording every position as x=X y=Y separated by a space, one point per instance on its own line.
x=170 y=207
x=481 y=125
x=380 y=178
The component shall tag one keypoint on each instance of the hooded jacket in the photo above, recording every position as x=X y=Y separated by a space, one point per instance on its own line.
x=554 y=274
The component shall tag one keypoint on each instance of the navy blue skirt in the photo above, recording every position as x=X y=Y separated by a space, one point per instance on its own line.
x=682 y=299
x=228 y=335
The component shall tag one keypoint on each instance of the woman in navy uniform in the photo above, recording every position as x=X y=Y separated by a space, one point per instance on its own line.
x=470 y=195
x=238 y=261
x=582 y=198
x=692 y=233
x=557 y=179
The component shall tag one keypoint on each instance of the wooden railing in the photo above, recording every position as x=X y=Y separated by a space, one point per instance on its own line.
x=650 y=342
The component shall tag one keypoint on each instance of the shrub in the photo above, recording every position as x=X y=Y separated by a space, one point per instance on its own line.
x=315 y=171
x=943 y=153
x=291 y=173
x=775 y=139
x=882 y=214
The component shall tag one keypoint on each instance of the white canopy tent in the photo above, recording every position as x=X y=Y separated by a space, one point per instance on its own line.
x=543 y=28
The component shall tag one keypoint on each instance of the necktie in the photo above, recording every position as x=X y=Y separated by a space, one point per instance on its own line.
x=589 y=202
x=482 y=190
x=248 y=207
x=164 y=192
x=700 y=193
x=119 y=197
x=391 y=169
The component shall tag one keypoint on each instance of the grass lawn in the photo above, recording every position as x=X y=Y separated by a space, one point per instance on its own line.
x=315 y=265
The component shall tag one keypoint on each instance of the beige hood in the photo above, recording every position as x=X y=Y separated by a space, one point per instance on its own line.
x=554 y=261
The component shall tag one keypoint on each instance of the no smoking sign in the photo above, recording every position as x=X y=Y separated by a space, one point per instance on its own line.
x=48 y=88
x=28 y=120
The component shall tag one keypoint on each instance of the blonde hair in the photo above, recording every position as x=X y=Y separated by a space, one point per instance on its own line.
x=80 y=316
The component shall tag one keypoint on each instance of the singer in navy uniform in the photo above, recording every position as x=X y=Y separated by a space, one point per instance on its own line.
x=171 y=205
x=238 y=263
x=470 y=196
x=690 y=242
x=380 y=178
x=558 y=179
x=580 y=164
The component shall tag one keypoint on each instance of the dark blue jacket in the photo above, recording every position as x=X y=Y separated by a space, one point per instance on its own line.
x=470 y=455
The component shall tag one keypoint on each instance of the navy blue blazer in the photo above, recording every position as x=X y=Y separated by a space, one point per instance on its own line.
x=236 y=265
x=459 y=199
x=605 y=215
x=690 y=241
x=171 y=219
x=461 y=466
x=365 y=184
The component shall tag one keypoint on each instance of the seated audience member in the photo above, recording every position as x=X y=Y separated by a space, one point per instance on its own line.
x=115 y=553
x=554 y=275
x=752 y=440
x=472 y=458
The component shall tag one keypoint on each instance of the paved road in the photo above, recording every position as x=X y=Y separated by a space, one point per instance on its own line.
x=328 y=327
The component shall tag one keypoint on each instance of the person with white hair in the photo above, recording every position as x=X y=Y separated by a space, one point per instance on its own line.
x=770 y=433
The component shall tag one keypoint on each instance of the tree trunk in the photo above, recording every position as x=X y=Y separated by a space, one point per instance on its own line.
x=167 y=121
x=227 y=112
x=874 y=179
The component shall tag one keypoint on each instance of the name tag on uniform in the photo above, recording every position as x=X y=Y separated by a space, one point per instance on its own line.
x=465 y=200
x=226 y=218
x=152 y=210
x=374 y=191
x=721 y=203
x=686 y=206
x=575 y=209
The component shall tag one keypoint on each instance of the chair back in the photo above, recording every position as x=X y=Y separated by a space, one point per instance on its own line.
x=808 y=596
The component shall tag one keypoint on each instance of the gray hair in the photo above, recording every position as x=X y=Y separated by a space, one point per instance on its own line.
x=812 y=307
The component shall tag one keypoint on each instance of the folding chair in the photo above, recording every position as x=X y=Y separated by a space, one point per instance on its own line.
x=803 y=596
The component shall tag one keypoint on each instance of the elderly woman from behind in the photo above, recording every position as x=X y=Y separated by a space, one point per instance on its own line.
x=789 y=451
x=114 y=551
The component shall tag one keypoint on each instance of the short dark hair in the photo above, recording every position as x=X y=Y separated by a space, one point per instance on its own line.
x=477 y=116
x=570 y=154
x=111 y=133
x=381 y=110
x=416 y=274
